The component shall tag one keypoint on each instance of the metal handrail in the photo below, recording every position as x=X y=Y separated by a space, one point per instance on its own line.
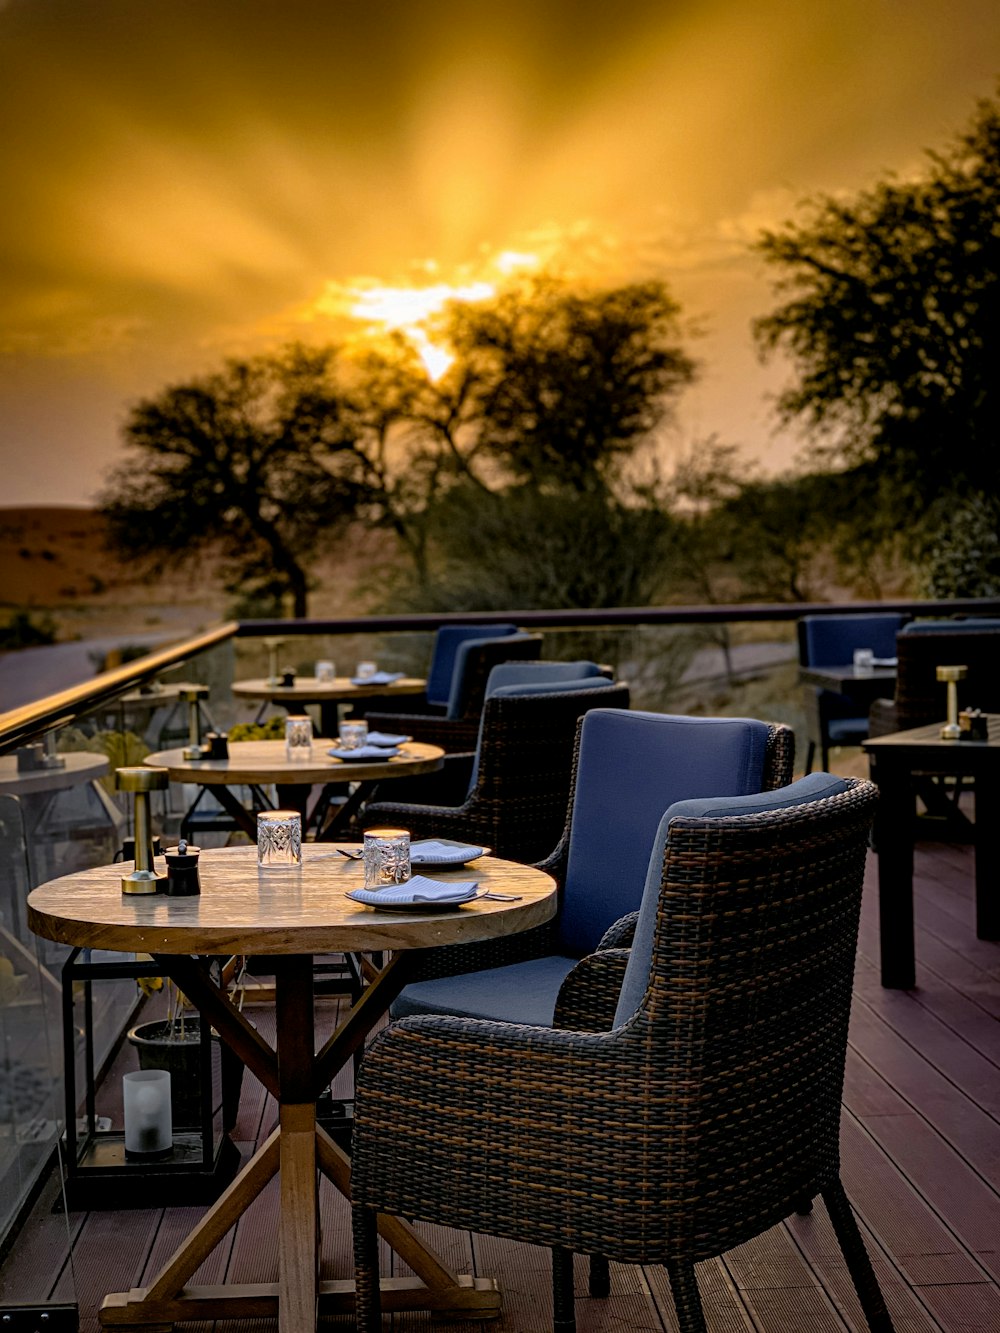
x=56 y=710
x=611 y=616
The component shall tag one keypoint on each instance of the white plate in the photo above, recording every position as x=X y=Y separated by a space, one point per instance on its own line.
x=370 y=754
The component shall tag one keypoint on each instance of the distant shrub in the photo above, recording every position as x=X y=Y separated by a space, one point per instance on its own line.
x=23 y=631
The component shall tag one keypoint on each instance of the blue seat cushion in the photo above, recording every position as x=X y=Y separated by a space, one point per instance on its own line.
x=446 y=644
x=814 y=787
x=632 y=767
x=518 y=993
x=847 y=730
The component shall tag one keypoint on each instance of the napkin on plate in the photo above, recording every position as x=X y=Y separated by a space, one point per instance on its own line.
x=419 y=889
x=365 y=754
x=437 y=849
x=379 y=678
x=387 y=738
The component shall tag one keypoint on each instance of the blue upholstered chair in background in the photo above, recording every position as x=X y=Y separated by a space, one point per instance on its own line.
x=630 y=766
x=664 y=1120
x=456 y=726
x=516 y=797
x=921 y=648
x=446 y=645
x=840 y=719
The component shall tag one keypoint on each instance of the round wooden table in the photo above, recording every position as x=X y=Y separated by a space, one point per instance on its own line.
x=326 y=693
x=289 y=915
x=256 y=764
x=79 y=766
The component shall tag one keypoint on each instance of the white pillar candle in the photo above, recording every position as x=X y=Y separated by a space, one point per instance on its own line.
x=148 y=1121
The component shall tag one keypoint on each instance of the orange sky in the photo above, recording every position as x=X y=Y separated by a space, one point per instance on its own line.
x=184 y=179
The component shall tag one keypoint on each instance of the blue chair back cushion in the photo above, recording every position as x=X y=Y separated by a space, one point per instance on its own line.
x=535 y=673
x=457 y=693
x=534 y=688
x=951 y=626
x=831 y=640
x=632 y=766
x=814 y=787
x=446 y=645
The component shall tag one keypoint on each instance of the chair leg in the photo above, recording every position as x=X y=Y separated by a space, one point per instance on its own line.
x=600 y=1276
x=859 y=1265
x=563 y=1309
x=368 y=1296
x=810 y=756
x=687 y=1301
x=804 y=1207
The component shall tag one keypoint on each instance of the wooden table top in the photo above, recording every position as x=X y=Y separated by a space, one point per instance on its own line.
x=927 y=739
x=163 y=693
x=264 y=761
x=849 y=680
x=307 y=689
x=80 y=766
x=242 y=909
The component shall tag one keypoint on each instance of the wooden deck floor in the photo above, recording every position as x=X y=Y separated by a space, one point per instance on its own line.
x=921 y=1163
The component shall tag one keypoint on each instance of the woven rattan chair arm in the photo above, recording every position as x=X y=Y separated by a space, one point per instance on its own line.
x=423 y=821
x=555 y=864
x=780 y=757
x=619 y=934
x=588 y=997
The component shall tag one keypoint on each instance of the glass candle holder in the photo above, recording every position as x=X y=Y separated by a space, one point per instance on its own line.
x=353 y=735
x=279 y=839
x=325 y=670
x=365 y=670
x=386 y=857
x=298 y=739
x=148 y=1120
x=864 y=661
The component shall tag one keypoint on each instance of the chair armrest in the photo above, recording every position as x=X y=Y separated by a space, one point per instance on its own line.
x=423 y=821
x=448 y=787
x=619 y=934
x=588 y=997
x=555 y=863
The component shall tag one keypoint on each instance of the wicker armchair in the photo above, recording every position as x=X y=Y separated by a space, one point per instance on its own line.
x=456 y=729
x=520 y=790
x=707 y=1114
x=628 y=768
x=920 y=649
x=840 y=719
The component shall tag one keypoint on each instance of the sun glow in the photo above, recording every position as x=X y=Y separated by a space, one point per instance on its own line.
x=406 y=309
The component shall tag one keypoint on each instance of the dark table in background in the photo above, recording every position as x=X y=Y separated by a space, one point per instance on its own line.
x=895 y=762
x=865 y=686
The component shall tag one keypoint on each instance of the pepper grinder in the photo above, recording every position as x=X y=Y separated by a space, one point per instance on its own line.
x=192 y=696
x=182 y=870
x=951 y=731
x=141 y=781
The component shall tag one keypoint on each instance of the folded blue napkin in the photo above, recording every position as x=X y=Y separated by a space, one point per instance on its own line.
x=419 y=889
x=387 y=738
x=366 y=754
x=429 y=850
x=379 y=678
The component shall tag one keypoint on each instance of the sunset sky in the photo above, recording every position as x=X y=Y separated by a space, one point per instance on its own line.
x=182 y=180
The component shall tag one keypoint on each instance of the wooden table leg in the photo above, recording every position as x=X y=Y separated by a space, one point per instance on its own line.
x=987 y=796
x=894 y=844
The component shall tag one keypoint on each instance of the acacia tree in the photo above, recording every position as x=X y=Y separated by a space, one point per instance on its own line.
x=891 y=319
x=256 y=461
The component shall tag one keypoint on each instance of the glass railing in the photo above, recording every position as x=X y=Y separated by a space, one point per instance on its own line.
x=60 y=810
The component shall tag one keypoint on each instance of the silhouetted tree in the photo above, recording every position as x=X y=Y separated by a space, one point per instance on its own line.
x=254 y=461
x=892 y=320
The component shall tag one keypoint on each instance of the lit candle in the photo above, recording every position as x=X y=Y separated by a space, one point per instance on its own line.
x=148 y=1123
